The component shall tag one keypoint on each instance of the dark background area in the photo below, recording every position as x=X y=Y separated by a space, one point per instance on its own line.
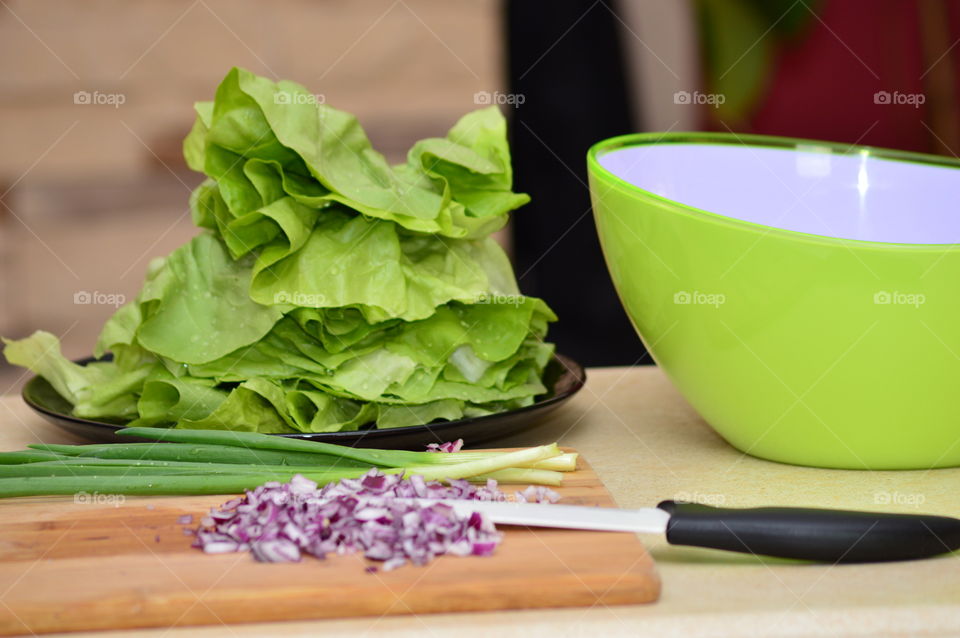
x=576 y=95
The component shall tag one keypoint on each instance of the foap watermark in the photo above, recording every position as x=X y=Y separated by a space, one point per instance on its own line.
x=897 y=298
x=509 y=99
x=697 y=298
x=97 y=298
x=98 y=498
x=700 y=498
x=909 y=499
x=898 y=98
x=299 y=299
x=697 y=97
x=96 y=98
x=500 y=299
x=284 y=97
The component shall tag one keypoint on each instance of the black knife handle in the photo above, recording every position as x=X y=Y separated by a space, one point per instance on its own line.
x=834 y=536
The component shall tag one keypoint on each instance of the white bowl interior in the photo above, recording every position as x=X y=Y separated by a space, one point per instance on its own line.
x=808 y=189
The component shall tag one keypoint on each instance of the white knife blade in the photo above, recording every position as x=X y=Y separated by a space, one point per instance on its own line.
x=648 y=520
x=824 y=535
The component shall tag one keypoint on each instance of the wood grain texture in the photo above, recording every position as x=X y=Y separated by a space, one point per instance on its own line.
x=68 y=566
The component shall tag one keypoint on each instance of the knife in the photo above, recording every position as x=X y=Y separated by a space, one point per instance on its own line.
x=823 y=535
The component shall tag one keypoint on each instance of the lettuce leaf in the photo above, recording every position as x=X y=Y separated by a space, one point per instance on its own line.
x=196 y=306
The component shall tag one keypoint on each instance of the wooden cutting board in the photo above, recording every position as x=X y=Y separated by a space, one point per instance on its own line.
x=68 y=566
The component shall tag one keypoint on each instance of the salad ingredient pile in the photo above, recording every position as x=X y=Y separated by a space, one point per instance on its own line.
x=327 y=290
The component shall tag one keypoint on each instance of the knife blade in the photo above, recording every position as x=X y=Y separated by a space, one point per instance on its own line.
x=823 y=535
x=649 y=520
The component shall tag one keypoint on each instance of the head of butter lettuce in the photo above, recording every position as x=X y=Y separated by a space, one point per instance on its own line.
x=327 y=289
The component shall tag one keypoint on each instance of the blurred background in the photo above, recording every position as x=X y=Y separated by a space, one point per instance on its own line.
x=95 y=98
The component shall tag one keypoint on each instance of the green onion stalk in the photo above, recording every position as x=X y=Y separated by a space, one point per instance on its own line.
x=227 y=462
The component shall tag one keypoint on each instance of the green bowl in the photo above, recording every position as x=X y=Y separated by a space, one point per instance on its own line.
x=803 y=296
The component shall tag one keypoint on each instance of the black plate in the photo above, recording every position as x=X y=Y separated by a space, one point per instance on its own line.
x=563 y=378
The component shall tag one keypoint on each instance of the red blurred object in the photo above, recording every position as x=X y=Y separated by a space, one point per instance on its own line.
x=824 y=83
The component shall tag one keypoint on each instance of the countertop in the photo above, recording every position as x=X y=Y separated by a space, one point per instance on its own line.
x=647 y=444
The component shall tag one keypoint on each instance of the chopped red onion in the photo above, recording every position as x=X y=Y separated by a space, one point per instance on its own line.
x=279 y=522
x=537 y=494
x=454 y=446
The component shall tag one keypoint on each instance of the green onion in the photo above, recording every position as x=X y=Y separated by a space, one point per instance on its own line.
x=200 y=454
x=381 y=458
x=501 y=461
x=210 y=453
x=151 y=485
x=565 y=462
x=115 y=467
x=225 y=462
x=145 y=466
x=63 y=469
x=28 y=456
x=138 y=484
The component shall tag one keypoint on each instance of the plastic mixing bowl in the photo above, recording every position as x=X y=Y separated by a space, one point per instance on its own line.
x=803 y=296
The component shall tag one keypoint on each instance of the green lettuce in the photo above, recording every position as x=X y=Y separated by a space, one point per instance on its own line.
x=259 y=139
x=327 y=289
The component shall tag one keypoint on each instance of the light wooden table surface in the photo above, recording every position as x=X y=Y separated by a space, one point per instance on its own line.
x=647 y=445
